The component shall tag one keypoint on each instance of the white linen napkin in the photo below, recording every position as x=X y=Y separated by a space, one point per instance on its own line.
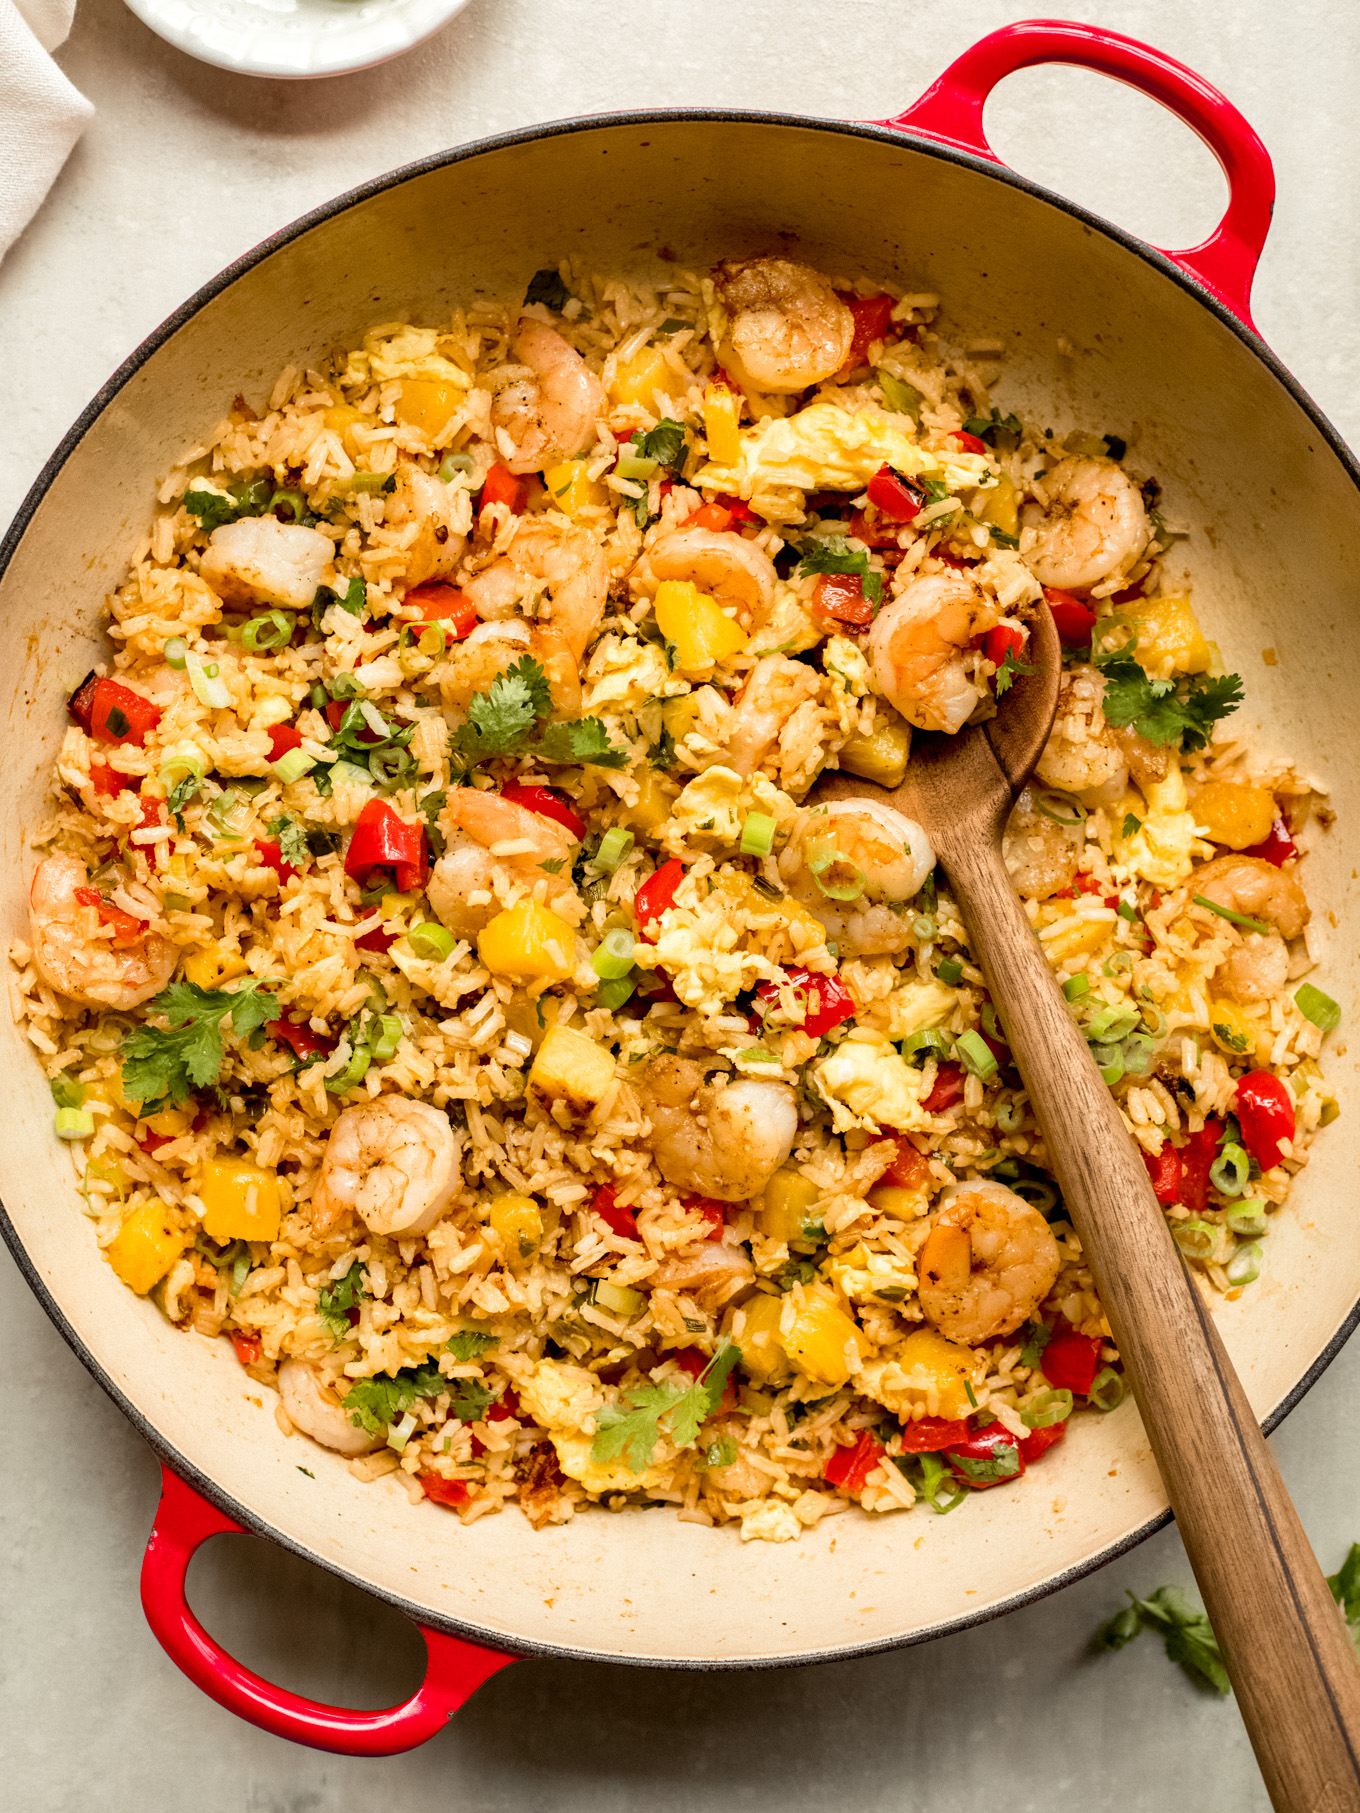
x=41 y=114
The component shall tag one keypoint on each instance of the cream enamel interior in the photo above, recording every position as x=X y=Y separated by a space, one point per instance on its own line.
x=1276 y=539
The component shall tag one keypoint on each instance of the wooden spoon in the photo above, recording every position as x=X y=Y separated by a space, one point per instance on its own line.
x=1288 y=1654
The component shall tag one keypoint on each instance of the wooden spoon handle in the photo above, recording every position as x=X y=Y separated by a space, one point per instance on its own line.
x=1289 y=1656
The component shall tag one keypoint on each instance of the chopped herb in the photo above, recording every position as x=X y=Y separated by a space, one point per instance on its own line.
x=547 y=287
x=833 y=554
x=307 y=1471
x=247 y=497
x=470 y=1401
x=169 y=1064
x=430 y=805
x=467 y=1344
x=374 y=1404
x=665 y=444
x=353 y=599
x=501 y=720
x=1159 y=709
x=1247 y=924
x=1345 y=1585
x=927 y=1473
x=1000 y=539
x=1037 y=1337
x=1002 y=1463
x=646 y=1414
x=1189 y=1636
x=292 y=839
x=662 y=752
x=335 y=1300
x=996 y=429
x=1005 y=674
x=554 y=865
x=795 y=1271
x=1132 y=825
x=722 y=1452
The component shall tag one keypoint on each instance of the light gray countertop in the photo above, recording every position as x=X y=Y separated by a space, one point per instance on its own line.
x=183 y=168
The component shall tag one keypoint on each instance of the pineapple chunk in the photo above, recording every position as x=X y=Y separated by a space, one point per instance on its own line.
x=787 y=1210
x=428 y=404
x=696 y=623
x=722 y=413
x=572 y=1069
x=517 y=1224
x=999 y=506
x=882 y=754
x=1170 y=640
x=528 y=943
x=1234 y=815
x=821 y=1333
x=638 y=379
x=240 y=1201
x=571 y=490
x=212 y=966
x=144 y=1249
x=755 y=1329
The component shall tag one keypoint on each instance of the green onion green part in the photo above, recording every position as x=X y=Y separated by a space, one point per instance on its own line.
x=1048 y=1408
x=930 y=1041
x=1248 y=1217
x=430 y=941
x=614 y=846
x=974 y=1055
x=950 y=971
x=384 y=1047
x=757 y=834
x=1245 y=1265
x=614 y=957
x=273 y=630
x=1317 y=1007
x=293 y=764
x=175 y=650
x=1250 y=925
x=1076 y=986
x=1107 y=1389
x=612 y=995
x=1197 y=1239
x=73 y=1123
x=454 y=463
x=1230 y=1170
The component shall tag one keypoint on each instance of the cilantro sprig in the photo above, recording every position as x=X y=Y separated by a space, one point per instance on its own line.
x=1182 y=712
x=373 y=1405
x=502 y=722
x=170 y=1063
x=1008 y=671
x=833 y=554
x=1189 y=1637
x=335 y=1300
x=631 y=1429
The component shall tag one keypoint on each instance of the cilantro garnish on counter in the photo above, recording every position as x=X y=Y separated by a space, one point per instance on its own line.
x=631 y=1428
x=170 y=1063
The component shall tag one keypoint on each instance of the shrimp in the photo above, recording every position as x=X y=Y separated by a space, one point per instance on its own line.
x=1085 y=756
x=774 y=690
x=715 y=1140
x=553 y=414
x=260 y=559
x=442 y=515
x=315 y=1409
x=392 y=1161
x=476 y=662
x=488 y=836
x=1094 y=527
x=1258 y=966
x=1040 y=854
x=921 y=650
x=80 y=954
x=571 y=566
x=987 y=1263
x=855 y=863
x=722 y=562
x=711 y=1273
x=787 y=327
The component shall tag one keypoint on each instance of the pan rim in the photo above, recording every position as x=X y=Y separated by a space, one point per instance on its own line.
x=101 y=401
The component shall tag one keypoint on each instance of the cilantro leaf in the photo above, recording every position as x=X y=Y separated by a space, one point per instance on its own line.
x=1159 y=709
x=578 y=740
x=547 y=287
x=1009 y=668
x=1188 y=1635
x=374 y=1404
x=833 y=554
x=292 y=839
x=996 y=429
x=188 y=1054
x=631 y=1428
x=429 y=806
x=665 y=443
x=1002 y=1463
x=1037 y=1337
x=1345 y=1587
x=471 y=1399
x=662 y=752
x=502 y=717
x=467 y=1344
x=353 y=599
x=1121 y=1629
x=336 y=1299
x=213 y=507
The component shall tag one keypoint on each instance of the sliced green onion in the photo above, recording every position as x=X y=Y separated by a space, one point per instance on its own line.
x=1230 y=1170
x=454 y=463
x=400 y=1433
x=355 y=1070
x=273 y=630
x=900 y=397
x=73 y=1123
x=290 y=500
x=1245 y=1265
x=1250 y=925
x=1048 y=1408
x=1010 y=1116
x=1317 y=1007
x=230 y=812
x=1197 y=1239
x=67 y=1093
x=1138 y=1052
x=349 y=774
x=430 y=941
x=924 y=927
x=1155 y=1021
x=614 y=956
x=1119 y=964
x=823 y=858
x=240 y=1271
x=1110 y=1063
x=1038 y=1194
x=175 y=651
x=181 y=762
x=1051 y=805
x=390 y=1030
x=430 y=641
x=1076 y=986
x=1113 y=1023
x=930 y=1042
x=950 y=971
x=637 y=467
x=614 y=846
x=1107 y=1389
x=376 y=482
x=209 y=690
x=177 y=903
x=974 y=1055
x=1248 y=1217
x=1127 y=910
x=293 y=764
x=757 y=834
x=612 y=995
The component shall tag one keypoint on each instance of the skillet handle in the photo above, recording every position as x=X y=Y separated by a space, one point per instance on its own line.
x=950 y=111
x=454 y=1669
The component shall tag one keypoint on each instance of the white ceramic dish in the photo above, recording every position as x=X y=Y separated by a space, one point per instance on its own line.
x=295 y=39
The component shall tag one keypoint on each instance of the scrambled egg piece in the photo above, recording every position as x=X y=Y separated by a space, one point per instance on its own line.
x=771 y=1520
x=1164 y=847
x=824 y=447
x=573 y=1456
x=711 y=810
x=562 y=1397
x=866 y=1083
x=625 y=672
x=400 y=351
x=912 y=1008
x=697 y=949
x=862 y=1274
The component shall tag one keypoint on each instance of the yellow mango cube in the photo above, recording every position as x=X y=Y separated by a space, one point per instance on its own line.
x=1170 y=640
x=241 y=1201
x=211 y=966
x=517 y=1224
x=941 y=1366
x=821 y=1335
x=680 y=716
x=1078 y=940
x=1232 y=1030
x=895 y=1199
x=573 y=1070
x=144 y=1248
x=571 y=491
x=169 y=1123
x=722 y=418
x=1233 y=814
x=787 y=1209
x=342 y=419
x=696 y=623
x=1000 y=506
x=880 y=755
x=428 y=404
x=528 y=943
x=755 y=1329
x=653 y=805
x=638 y=379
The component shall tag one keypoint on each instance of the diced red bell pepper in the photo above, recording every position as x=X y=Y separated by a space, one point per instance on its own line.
x=1278 y=848
x=931 y=1434
x=826 y=1000
x=841 y=596
x=299 y=1037
x=502 y=487
x=247 y=1346
x=946 y=1090
x=335 y=717
x=1197 y=1156
x=381 y=840
x=150 y=1142
x=445 y=607
x=1073 y=618
x=1004 y=640
x=119 y=715
x=875 y=531
x=617 y=1219
x=655 y=895
x=709 y=516
x=1164 y=1168
x=849 y=1468
x=547 y=802
x=969 y=442
x=873 y=321
x=713 y=1212
x=989 y=1445
x=443 y=1491
x=909 y=1169
x=378 y=941
x=738 y=509
x=109 y=782
x=1039 y=1441
x=505 y=1406
x=894 y=496
x=282 y=738
x=1265 y=1112
x=693 y=1361
x=1071 y=1361
x=127 y=928
x=271 y=857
